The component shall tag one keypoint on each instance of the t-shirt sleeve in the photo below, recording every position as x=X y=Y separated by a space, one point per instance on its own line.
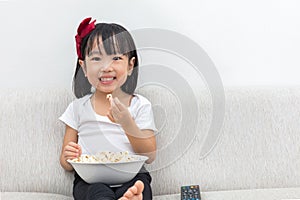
x=69 y=117
x=144 y=118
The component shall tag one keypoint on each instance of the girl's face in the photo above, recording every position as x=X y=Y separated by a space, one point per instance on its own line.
x=107 y=73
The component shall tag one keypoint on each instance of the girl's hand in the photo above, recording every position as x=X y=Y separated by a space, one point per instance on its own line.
x=119 y=113
x=71 y=150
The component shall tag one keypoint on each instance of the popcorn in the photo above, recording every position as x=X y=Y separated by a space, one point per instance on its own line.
x=105 y=157
x=86 y=159
x=109 y=96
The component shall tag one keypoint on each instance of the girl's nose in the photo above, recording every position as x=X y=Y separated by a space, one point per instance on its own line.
x=107 y=67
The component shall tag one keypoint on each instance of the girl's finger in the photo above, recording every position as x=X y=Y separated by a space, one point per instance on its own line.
x=118 y=104
x=71 y=148
x=71 y=155
x=113 y=105
x=80 y=150
x=110 y=117
x=111 y=100
x=73 y=144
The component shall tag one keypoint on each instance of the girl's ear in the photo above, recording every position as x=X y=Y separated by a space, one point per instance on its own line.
x=81 y=63
x=131 y=65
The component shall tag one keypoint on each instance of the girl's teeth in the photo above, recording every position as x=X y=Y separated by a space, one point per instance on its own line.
x=106 y=79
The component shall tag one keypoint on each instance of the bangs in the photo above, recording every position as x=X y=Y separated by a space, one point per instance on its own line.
x=112 y=39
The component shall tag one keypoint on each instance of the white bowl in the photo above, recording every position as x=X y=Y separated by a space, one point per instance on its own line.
x=109 y=173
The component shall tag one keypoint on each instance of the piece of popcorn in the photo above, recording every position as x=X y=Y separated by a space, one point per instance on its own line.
x=109 y=96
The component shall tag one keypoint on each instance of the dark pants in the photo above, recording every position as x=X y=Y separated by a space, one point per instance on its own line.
x=101 y=191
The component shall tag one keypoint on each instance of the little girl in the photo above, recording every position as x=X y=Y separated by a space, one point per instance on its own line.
x=108 y=64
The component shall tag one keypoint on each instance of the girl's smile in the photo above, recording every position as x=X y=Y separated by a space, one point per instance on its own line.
x=107 y=80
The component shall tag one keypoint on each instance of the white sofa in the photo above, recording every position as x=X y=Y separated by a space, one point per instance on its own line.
x=257 y=154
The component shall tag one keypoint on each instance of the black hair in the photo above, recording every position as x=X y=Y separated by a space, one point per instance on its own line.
x=116 y=40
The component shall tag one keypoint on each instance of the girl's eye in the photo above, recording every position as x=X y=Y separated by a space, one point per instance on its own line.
x=117 y=58
x=95 y=58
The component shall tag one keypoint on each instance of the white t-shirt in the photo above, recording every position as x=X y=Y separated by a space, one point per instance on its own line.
x=97 y=133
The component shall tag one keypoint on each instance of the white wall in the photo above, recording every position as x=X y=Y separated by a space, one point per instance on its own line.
x=253 y=42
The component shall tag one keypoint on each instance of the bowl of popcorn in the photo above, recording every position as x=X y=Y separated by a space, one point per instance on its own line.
x=111 y=168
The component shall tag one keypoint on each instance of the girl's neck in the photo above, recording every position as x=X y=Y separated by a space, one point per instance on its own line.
x=125 y=98
x=116 y=93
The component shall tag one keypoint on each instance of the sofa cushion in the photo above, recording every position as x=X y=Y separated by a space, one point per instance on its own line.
x=258 y=145
x=31 y=140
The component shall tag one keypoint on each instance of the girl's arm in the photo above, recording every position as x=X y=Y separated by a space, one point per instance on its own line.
x=142 y=141
x=70 y=148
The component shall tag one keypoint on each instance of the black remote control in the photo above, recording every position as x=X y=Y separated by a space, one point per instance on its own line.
x=190 y=192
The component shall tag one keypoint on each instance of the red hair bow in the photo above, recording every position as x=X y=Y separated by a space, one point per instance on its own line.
x=84 y=29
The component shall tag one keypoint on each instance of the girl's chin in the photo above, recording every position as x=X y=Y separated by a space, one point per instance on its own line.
x=105 y=90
